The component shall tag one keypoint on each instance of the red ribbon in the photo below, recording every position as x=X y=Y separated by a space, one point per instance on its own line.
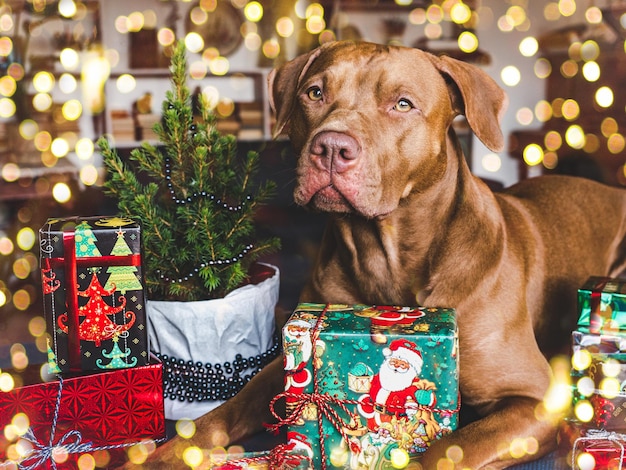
x=595 y=318
x=70 y=262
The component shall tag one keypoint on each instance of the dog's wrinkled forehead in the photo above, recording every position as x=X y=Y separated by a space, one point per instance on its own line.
x=367 y=65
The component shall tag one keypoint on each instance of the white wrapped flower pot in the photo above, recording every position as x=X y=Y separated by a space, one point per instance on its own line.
x=211 y=348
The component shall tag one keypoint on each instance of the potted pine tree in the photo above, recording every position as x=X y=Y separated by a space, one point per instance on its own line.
x=210 y=304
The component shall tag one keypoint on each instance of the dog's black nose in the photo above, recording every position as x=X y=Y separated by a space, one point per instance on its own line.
x=334 y=150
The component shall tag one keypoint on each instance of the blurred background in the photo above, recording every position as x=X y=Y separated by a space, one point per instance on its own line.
x=71 y=71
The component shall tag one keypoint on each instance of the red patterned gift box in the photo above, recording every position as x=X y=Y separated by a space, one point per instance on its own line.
x=63 y=420
x=93 y=289
x=595 y=449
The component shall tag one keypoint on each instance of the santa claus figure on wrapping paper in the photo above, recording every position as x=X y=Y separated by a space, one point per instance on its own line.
x=298 y=347
x=398 y=394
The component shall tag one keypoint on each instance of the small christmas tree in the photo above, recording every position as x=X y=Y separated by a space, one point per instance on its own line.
x=194 y=198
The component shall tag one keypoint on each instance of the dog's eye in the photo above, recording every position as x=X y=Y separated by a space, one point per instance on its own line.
x=403 y=105
x=314 y=93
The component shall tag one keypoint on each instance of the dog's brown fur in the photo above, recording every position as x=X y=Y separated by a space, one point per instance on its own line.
x=411 y=224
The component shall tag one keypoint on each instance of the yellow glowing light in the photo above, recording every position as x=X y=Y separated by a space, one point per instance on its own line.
x=6 y=382
x=61 y=192
x=460 y=13
x=529 y=46
x=67 y=83
x=583 y=411
x=575 y=136
x=20 y=423
x=42 y=140
x=21 y=299
x=433 y=30
x=339 y=457
x=8 y=86
x=135 y=21
x=516 y=15
x=608 y=126
x=72 y=109
x=569 y=68
x=468 y=42
x=26 y=238
x=510 y=75
x=6 y=46
x=194 y=42
x=604 y=97
x=88 y=175
x=315 y=24
x=570 y=109
x=593 y=15
x=417 y=16
x=28 y=129
x=21 y=268
x=43 y=82
x=253 y=11
x=524 y=116
x=125 y=83
x=491 y=162
x=434 y=14
x=300 y=8
x=314 y=9
x=219 y=66
x=42 y=102
x=37 y=326
x=16 y=71
x=10 y=172
x=553 y=141
x=3 y=298
x=6 y=246
x=550 y=160
x=59 y=147
x=86 y=462
x=591 y=71
x=567 y=7
x=253 y=41
x=271 y=48
x=192 y=456
x=533 y=154
x=225 y=107
x=6 y=22
x=611 y=368
x=138 y=453
x=212 y=96
x=616 y=143
x=585 y=461
x=585 y=386
x=542 y=68
x=609 y=387
x=198 y=70
x=84 y=148
x=198 y=16
x=166 y=37
x=505 y=24
x=19 y=360
x=284 y=27
x=67 y=8
x=185 y=428
x=399 y=458
x=69 y=58
x=590 y=50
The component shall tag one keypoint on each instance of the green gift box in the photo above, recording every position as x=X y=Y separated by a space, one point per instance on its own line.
x=369 y=386
x=602 y=305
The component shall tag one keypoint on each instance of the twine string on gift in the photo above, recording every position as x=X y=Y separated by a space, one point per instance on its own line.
x=599 y=434
x=70 y=442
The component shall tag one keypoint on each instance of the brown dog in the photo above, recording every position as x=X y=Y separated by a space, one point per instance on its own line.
x=372 y=126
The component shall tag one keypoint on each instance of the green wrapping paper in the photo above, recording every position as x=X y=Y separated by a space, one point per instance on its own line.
x=369 y=386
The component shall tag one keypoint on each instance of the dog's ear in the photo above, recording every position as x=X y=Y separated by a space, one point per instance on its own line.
x=477 y=96
x=283 y=84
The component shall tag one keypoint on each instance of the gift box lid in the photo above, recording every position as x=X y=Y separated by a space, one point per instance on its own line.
x=602 y=305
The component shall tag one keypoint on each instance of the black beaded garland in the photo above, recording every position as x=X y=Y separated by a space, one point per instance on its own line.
x=189 y=381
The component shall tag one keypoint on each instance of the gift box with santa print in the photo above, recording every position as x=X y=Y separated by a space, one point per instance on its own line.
x=599 y=379
x=77 y=422
x=602 y=305
x=369 y=385
x=94 y=297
